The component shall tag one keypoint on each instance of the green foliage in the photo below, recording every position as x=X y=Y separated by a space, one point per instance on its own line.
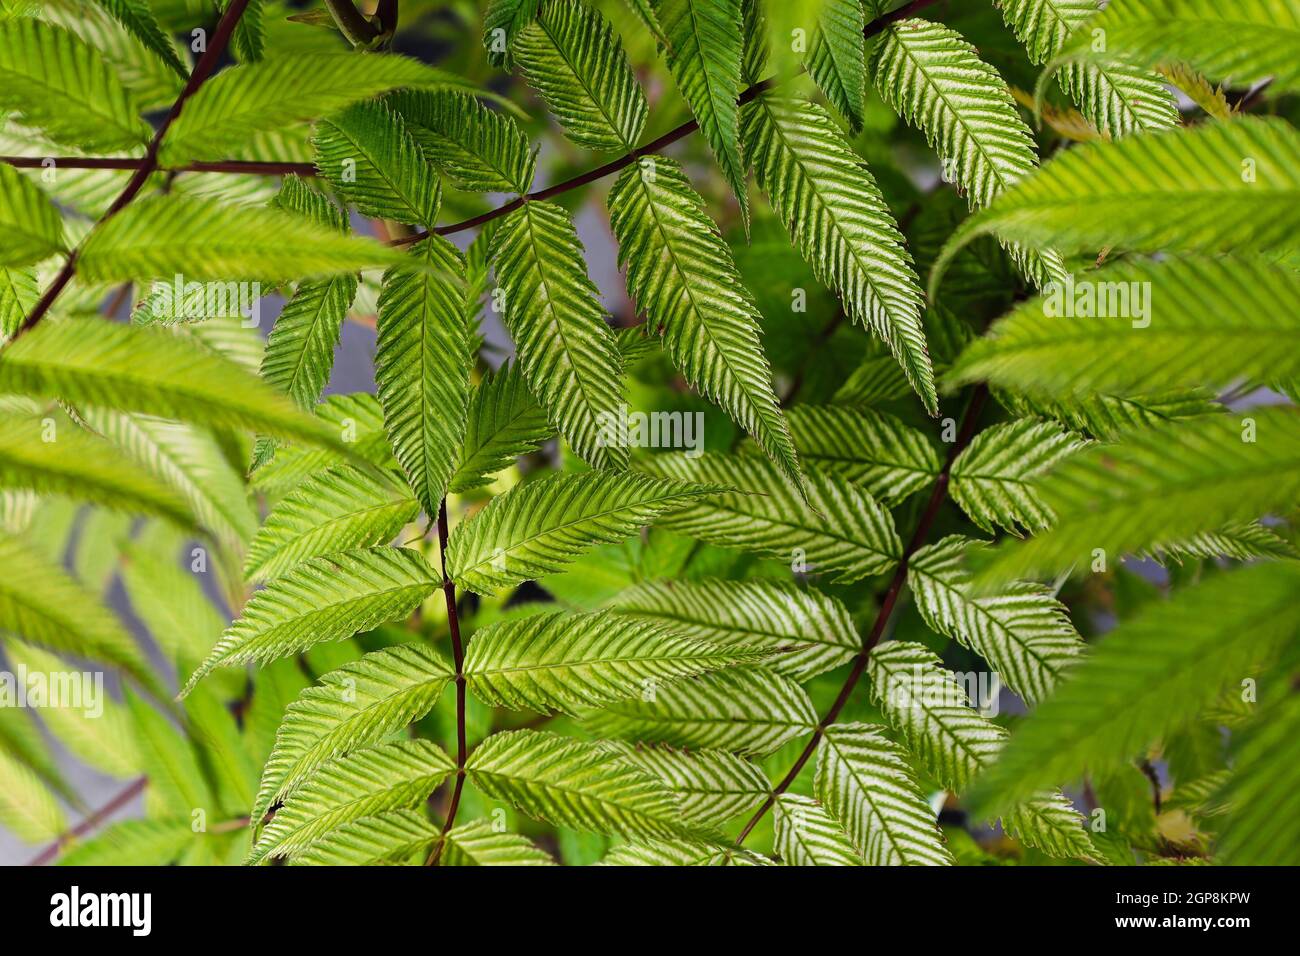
x=837 y=217
x=574 y=784
x=813 y=631
x=541 y=526
x=703 y=52
x=1148 y=677
x=568 y=353
x=213 y=240
x=864 y=783
x=549 y=662
x=1021 y=629
x=836 y=527
x=1117 y=99
x=1159 y=486
x=368 y=155
x=1221 y=319
x=1246 y=41
x=422 y=365
x=290 y=88
x=575 y=62
x=696 y=568
x=358 y=704
x=1234 y=192
x=62 y=86
x=150 y=371
x=32 y=231
x=326 y=598
x=682 y=277
x=503 y=423
x=747 y=710
x=391 y=776
x=335 y=510
x=477 y=148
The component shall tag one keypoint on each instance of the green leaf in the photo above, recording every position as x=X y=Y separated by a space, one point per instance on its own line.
x=1115 y=98
x=574 y=60
x=541 y=526
x=1260 y=830
x=22 y=738
x=422 y=364
x=873 y=450
x=935 y=80
x=502 y=22
x=202 y=239
x=838 y=530
x=289 y=88
x=837 y=217
x=300 y=349
x=367 y=154
x=133 y=843
x=177 y=786
x=1109 y=417
x=392 y=776
x=574 y=784
x=682 y=853
x=1220 y=320
x=27 y=808
x=863 y=781
x=1240 y=540
x=837 y=59
x=356 y=419
x=993 y=478
x=704 y=52
x=385 y=838
x=1021 y=629
x=479 y=844
x=138 y=19
x=356 y=705
x=477 y=148
x=748 y=710
x=806 y=835
x=325 y=599
x=40 y=603
x=30 y=230
x=1148 y=677
x=644 y=11
x=336 y=510
x=1158 y=487
x=249 y=39
x=1242 y=42
x=53 y=456
x=151 y=371
x=682 y=277
x=1237 y=188
x=564 y=662
x=18 y=293
x=813 y=631
x=711 y=786
x=62 y=86
x=565 y=347
x=190 y=461
x=503 y=423
x=930 y=708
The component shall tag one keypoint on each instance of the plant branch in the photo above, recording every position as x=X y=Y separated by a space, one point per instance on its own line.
x=90 y=823
x=458 y=656
x=202 y=70
x=887 y=605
